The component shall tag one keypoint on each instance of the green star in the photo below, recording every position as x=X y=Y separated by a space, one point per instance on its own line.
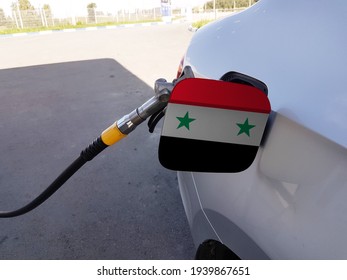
x=185 y=121
x=245 y=127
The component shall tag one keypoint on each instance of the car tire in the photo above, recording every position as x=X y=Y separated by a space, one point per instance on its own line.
x=214 y=250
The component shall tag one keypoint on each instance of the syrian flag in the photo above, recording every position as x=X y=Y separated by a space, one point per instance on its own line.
x=212 y=126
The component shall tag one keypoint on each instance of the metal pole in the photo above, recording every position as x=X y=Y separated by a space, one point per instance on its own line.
x=44 y=17
x=214 y=9
x=41 y=15
x=20 y=16
x=15 y=18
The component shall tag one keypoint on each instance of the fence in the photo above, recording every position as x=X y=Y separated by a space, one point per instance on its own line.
x=44 y=18
x=21 y=19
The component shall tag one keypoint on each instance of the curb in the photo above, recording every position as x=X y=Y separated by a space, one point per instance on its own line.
x=93 y=28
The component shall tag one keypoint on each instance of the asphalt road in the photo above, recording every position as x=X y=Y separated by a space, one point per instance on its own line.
x=57 y=93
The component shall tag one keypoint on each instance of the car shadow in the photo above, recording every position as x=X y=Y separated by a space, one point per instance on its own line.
x=122 y=205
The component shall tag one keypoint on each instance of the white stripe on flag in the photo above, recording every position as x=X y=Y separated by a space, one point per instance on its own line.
x=214 y=124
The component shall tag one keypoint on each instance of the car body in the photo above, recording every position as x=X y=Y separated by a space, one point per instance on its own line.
x=291 y=202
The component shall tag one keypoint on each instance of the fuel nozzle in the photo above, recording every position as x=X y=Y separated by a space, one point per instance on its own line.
x=155 y=107
x=129 y=122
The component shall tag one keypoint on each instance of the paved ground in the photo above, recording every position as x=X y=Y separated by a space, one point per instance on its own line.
x=57 y=93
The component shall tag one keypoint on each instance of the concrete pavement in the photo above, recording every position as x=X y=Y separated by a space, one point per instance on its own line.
x=57 y=93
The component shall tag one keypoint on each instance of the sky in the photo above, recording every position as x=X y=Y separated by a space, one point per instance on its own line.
x=78 y=7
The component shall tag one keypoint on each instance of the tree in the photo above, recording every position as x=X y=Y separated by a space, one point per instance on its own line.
x=25 y=14
x=46 y=15
x=47 y=8
x=3 y=20
x=91 y=6
x=91 y=12
x=25 y=5
x=48 y=11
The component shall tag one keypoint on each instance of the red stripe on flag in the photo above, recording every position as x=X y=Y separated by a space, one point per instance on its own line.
x=220 y=94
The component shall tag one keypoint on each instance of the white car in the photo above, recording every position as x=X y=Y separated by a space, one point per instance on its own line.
x=291 y=203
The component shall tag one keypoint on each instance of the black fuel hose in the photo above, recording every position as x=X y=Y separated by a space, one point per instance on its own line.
x=108 y=137
x=86 y=155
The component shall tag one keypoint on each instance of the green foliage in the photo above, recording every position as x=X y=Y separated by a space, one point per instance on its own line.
x=48 y=11
x=5 y=22
x=201 y=23
x=66 y=26
x=2 y=16
x=24 y=5
x=91 y=6
x=91 y=12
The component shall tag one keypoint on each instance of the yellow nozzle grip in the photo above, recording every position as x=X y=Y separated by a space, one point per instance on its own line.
x=111 y=135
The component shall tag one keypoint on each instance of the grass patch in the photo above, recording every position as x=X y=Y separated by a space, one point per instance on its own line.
x=201 y=23
x=7 y=31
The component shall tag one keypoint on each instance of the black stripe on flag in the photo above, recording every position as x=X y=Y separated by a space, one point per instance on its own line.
x=204 y=156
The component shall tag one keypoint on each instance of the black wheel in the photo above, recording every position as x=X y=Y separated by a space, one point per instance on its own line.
x=214 y=250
